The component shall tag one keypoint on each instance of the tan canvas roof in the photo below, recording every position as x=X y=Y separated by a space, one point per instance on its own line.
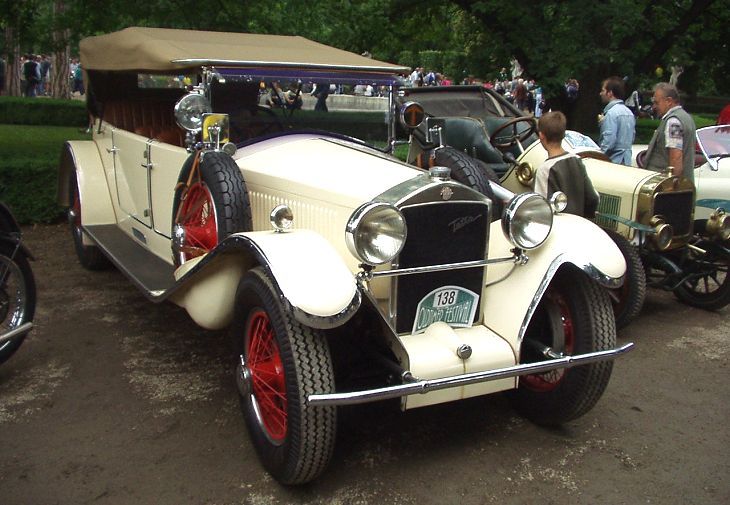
x=166 y=50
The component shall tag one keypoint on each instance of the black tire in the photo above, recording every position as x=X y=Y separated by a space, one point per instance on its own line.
x=221 y=180
x=90 y=256
x=577 y=310
x=628 y=300
x=470 y=172
x=709 y=287
x=300 y=451
x=17 y=296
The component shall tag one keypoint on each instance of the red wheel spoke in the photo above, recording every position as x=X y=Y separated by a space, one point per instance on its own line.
x=267 y=375
x=197 y=217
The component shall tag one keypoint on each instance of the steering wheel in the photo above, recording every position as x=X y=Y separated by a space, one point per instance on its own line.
x=517 y=137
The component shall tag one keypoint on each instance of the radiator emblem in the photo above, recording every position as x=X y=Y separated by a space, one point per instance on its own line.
x=446 y=193
x=458 y=223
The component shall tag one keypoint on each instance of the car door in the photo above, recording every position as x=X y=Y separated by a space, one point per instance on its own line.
x=131 y=170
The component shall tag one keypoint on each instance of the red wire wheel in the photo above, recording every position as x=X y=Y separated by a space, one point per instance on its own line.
x=558 y=308
x=267 y=377
x=198 y=219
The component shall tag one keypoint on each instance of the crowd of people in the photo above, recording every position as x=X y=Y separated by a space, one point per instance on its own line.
x=35 y=72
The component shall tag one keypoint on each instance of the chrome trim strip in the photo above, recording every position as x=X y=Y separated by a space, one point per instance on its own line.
x=327 y=322
x=20 y=330
x=439 y=268
x=560 y=260
x=284 y=64
x=426 y=386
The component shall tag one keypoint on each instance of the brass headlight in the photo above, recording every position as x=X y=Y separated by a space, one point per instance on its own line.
x=527 y=220
x=525 y=174
x=663 y=233
x=718 y=225
x=376 y=233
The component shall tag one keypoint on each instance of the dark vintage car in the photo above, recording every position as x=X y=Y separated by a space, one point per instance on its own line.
x=649 y=215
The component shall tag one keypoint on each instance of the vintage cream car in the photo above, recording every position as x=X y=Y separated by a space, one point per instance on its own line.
x=345 y=275
x=649 y=215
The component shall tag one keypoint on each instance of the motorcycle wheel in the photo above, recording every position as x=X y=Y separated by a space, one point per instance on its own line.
x=17 y=296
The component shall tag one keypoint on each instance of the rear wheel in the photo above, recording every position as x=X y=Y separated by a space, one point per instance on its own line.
x=211 y=202
x=573 y=317
x=709 y=285
x=628 y=299
x=281 y=363
x=17 y=296
x=90 y=256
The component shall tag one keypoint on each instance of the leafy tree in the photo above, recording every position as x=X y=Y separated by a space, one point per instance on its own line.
x=557 y=40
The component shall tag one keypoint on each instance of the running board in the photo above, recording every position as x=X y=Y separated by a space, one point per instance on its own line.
x=426 y=386
x=148 y=272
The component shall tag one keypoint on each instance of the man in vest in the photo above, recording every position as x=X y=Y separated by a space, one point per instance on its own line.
x=673 y=144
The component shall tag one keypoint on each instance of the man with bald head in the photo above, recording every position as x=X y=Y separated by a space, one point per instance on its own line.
x=673 y=144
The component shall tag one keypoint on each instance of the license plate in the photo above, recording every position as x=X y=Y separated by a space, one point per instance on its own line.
x=452 y=305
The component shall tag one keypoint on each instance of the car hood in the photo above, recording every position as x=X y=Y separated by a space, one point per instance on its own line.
x=322 y=168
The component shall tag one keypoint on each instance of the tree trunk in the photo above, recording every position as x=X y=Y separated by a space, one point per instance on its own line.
x=60 y=83
x=11 y=86
x=60 y=71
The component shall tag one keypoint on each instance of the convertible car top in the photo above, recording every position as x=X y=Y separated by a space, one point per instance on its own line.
x=174 y=51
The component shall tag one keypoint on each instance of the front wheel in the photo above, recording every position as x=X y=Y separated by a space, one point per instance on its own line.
x=628 y=299
x=17 y=296
x=708 y=286
x=573 y=317
x=281 y=363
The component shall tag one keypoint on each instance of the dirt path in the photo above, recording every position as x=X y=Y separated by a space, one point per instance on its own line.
x=114 y=400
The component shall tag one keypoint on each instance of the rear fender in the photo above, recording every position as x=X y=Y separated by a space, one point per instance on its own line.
x=312 y=279
x=514 y=290
x=82 y=157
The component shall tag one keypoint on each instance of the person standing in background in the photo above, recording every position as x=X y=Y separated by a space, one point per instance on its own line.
x=673 y=144
x=617 y=122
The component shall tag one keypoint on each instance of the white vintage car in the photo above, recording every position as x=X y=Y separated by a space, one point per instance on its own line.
x=345 y=275
x=649 y=215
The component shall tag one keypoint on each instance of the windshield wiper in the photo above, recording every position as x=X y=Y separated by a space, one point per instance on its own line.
x=719 y=156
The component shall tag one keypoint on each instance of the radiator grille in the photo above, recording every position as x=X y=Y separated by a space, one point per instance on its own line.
x=676 y=207
x=609 y=204
x=440 y=233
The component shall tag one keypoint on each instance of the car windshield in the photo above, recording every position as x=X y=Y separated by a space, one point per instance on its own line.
x=260 y=105
x=714 y=140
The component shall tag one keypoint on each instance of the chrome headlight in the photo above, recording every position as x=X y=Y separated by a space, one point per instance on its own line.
x=376 y=233
x=189 y=112
x=527 y=220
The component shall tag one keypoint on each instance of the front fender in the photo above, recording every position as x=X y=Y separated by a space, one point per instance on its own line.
x=312 y=279
x=514 y=290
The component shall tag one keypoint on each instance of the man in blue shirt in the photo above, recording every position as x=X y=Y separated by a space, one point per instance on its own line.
x=617 y=122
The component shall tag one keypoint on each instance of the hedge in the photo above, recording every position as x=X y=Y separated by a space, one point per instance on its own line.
x=42 y=111
x=29 y=169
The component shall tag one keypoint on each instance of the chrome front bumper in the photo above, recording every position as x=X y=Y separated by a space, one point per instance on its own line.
x=426 y=386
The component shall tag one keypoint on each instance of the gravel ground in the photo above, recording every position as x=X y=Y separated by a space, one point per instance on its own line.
x=114 y=400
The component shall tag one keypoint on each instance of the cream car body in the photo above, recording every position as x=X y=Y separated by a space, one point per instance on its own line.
x=443 y=328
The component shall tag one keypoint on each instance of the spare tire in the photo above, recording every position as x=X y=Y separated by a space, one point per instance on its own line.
x=470 y=172
x=211 y=202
